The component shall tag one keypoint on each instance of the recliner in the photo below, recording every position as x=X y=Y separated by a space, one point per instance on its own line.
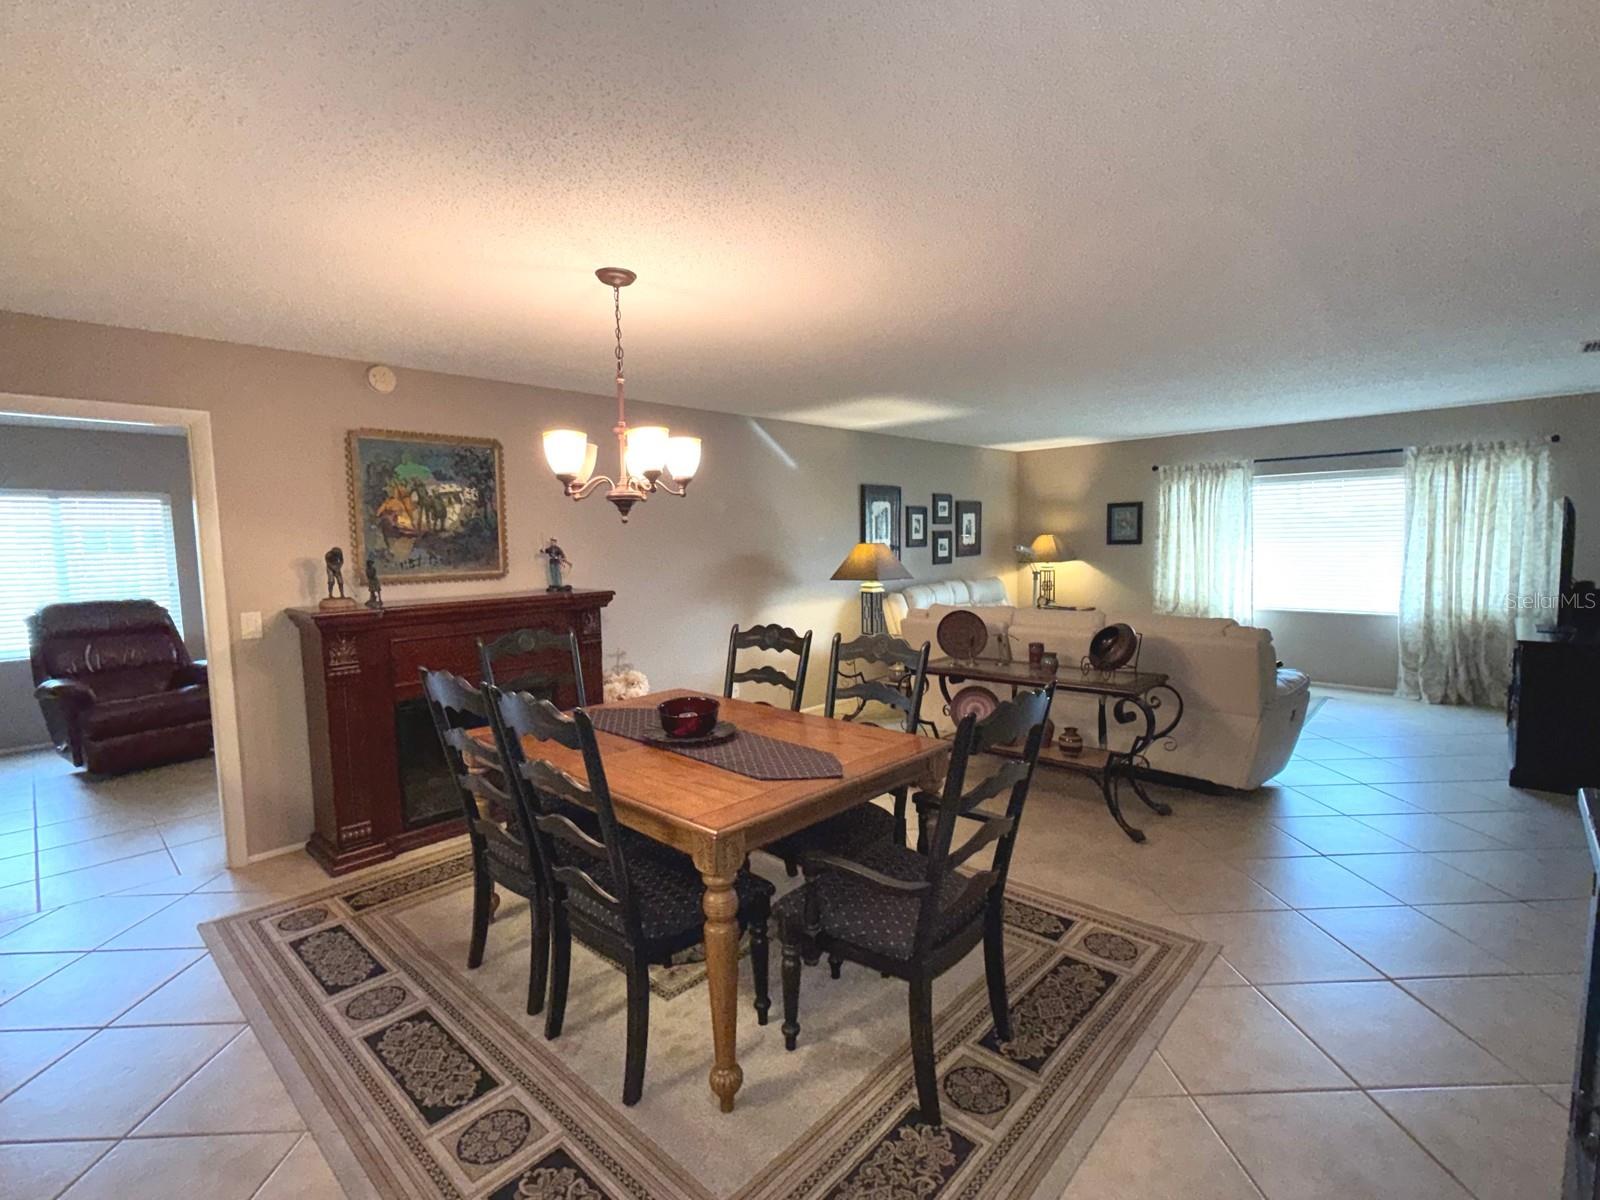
x=117 y=687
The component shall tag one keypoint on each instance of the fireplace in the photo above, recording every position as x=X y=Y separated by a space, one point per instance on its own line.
x=379 y=785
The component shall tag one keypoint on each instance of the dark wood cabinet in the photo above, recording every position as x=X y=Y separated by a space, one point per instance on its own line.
x=1553 y=713
x=374 y=755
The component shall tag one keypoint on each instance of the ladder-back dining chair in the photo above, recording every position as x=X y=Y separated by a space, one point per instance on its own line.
x=519 y=644
x=780 y=639
x=631 y=907
x=913 y=916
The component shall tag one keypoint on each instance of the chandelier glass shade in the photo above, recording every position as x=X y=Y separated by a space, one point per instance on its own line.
x=650 y=458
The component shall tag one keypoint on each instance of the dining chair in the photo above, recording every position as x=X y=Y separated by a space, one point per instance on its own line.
x=774 y=637
x=901 y=689
x=500 y=855
x=522 y=642
x=914 y=916
x=631 y=907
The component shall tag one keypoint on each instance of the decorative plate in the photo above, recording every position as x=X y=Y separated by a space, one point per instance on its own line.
x=725 y=731
x=1113 y=647
x=962 y=634
x=974 y=700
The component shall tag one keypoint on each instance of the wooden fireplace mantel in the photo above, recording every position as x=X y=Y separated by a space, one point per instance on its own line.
x=359 y=663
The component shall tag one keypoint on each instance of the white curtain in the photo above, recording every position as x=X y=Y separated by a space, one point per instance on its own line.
x=1480 y=523
x=1203 y=541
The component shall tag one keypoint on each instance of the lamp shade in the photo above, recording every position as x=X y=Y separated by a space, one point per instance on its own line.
x=1047 y=547
x=871 y=562
x=564 y=450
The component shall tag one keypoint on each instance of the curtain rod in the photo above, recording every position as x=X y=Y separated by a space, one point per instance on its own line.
x=1283 y=458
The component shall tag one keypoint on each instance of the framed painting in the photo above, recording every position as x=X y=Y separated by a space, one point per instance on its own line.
x=943 y=545
x=880 y=515
x=1125 y=523
x=916 y=526
x=944 y=509
x=969 y=528
x=426 y=507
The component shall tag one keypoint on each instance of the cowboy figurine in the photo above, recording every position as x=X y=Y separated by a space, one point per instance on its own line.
x=555 y=564
x=374 y=584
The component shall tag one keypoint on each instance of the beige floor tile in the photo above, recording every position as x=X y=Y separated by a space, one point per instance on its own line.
x=107 y=878
x=286 y=875
x=175 y=924
x=1338 y=835
x=187 y=830
x=1429 y=831
x=26 y=1052
x=1271 y=799
x=42 y=1170
x=1418 y=878
x=1533 y=829
x=1221 y=974
x=1456 y=768
x=15 y=842
x=1527 y=874
x=19 y=899
x=93 y=989
x=202 y=859
x=1159 y=1149
x=109 y=1084
x=1280 y=947
x=20 y=868
x=225 y=1167
x=1448 y=797
x=196 y=995
x=1525 y=1024
x=1383 y=1037
x=96 y=825
x=1300 y=773
x=1156 y=1079
x=87 y=925
x=78 y=855
x=1357 y=799
x=1403 y=942
x=19 y=972
x=1519 y=934
x=1326 y=1146
x=1313 y=883
x=236 y=1092
x=1233 y=1040
x=1200 y=887
x=303 y=1175
x=1503 y=1143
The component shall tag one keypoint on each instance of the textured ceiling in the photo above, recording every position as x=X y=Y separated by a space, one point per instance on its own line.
x=998 y=223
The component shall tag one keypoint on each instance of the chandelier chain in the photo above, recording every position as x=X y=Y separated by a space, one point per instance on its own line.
x=616 y=293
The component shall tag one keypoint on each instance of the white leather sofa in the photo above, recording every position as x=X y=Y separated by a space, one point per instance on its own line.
x=1242 y=714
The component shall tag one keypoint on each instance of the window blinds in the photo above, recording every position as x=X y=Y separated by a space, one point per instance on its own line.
x=1329 y=541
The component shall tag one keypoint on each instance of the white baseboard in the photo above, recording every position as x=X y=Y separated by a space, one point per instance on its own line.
x=25 y=749
x=278 y=853
x=1352 y=687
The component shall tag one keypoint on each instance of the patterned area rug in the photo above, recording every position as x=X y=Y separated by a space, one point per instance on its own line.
x=423 y=1079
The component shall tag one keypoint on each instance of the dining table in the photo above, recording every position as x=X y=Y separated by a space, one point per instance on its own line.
x=717 y=816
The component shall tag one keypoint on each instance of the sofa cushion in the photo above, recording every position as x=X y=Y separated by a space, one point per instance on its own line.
x=1064 y=633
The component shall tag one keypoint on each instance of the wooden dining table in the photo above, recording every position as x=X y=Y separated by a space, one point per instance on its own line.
x=718 y=817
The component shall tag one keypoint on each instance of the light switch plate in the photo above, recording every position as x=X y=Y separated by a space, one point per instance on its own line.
x=250 y=625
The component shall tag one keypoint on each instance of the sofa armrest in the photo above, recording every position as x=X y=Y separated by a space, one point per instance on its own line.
x=63 y=703
x=64 y=691
x=194 y=673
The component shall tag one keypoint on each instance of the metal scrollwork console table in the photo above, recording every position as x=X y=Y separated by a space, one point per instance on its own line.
x=1144 y=699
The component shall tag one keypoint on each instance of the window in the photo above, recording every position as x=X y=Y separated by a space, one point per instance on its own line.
x=1329 y=541
x=58 y=547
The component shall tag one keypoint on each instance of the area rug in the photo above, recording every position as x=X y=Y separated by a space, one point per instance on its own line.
x=420 y=1078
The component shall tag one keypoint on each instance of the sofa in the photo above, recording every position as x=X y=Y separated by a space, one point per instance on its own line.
x=1242 y=713
x=117 y=687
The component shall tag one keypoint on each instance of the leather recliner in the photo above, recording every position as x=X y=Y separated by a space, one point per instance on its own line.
x=117 y=687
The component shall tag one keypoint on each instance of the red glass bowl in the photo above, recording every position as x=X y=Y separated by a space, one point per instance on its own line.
x=688 y=716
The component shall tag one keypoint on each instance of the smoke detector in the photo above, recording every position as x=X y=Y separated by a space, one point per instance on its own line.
x=380 y=379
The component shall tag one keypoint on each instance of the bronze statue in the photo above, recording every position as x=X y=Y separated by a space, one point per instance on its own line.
x=334 y=561
x=374 y=584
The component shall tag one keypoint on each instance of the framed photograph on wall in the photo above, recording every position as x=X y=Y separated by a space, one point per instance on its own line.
x=880 y=515
x=1125 y=523
x=426 y=507
x=944 y=508
x=943 y=545
x=916 y=526
x=969 y=528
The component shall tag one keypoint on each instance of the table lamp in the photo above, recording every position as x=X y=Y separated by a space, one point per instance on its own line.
x=1043 y=552
x=872 y=563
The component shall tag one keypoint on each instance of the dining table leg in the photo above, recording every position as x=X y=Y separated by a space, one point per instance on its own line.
x=721 y=904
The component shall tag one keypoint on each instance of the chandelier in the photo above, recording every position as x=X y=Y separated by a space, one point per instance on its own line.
x=650 y=458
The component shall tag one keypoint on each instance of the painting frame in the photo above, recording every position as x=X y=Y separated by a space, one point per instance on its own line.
x=916 y=526
x=944 y=541
x=944 y=509
x=969 y=547
x=881 y=515
x=490 y=563
x=1125 y=523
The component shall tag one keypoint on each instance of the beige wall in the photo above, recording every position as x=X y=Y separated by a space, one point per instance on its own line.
x=771 y=516
x=95 y=460
x=1066 y=491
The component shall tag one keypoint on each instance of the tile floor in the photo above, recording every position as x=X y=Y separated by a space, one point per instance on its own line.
x=1393 y=1013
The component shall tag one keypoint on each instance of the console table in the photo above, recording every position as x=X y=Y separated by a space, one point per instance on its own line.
x=1131 y=695
x=378 y=780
